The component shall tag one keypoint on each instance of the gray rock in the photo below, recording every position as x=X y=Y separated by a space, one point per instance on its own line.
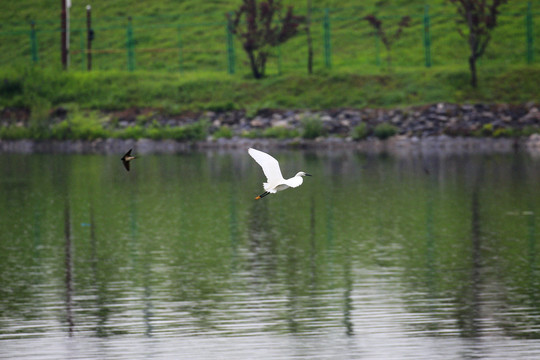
x=257 y=122
x=326 y=118
x=280 y=123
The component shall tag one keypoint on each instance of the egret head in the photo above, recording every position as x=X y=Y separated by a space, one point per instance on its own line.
x=301 y=173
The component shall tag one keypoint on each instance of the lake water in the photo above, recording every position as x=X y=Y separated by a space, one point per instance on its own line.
x=374 y=257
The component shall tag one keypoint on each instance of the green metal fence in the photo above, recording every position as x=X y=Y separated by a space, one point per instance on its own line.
x=204 y=42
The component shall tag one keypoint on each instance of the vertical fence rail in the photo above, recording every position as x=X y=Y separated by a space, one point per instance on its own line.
x=89 y=37
x=427 y=37
x=64 y=36
x=279 y=59
x=83 y=65
x=130 y=46
x=230 y=46
x=33 y=42
x=377 y=49
x=180 y=54
x=327 y=44
x=530 y=37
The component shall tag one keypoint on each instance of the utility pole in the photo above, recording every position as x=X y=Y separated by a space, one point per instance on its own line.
x=63 y=39
x=309 y=41
x=68 y=30
x=89 y=37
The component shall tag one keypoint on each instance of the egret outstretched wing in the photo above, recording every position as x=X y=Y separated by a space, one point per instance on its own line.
x=269 y=165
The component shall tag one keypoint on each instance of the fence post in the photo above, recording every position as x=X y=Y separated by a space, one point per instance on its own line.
x=377 y=49
x=279 y=59
x=89 y=37
x=33 y=42
x=427 y=38
x=180 y=55
x=63 y=35
x=130 y=46
x=327 y=45
x=82 y=50
x=230 y=46
x=530 y=38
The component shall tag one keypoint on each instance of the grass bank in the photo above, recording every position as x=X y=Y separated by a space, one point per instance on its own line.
x=35 y=89
x=47 y=104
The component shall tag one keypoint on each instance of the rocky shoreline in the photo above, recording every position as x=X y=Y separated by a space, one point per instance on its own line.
x=440 y=127
x=420 y=121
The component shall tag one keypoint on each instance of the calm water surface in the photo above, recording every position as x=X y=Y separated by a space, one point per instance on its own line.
x=374 y=257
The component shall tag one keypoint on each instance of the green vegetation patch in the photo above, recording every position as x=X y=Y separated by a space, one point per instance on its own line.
x=360 y=131
x=224 y=132
x=384 y=131
x=312 y=127
x=280 y=132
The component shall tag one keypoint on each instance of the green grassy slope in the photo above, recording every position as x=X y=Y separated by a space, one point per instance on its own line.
x=191 y=35
x=180 y=58
x=176 y=93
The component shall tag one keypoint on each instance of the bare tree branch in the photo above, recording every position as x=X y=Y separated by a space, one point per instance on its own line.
x=388 y=41
x=480 y=17
x=261 y=30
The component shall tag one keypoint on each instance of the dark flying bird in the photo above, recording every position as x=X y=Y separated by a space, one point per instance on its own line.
x=127 y=158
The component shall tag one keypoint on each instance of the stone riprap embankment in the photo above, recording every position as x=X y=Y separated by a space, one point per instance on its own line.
x=421 y=121
x=441 y=126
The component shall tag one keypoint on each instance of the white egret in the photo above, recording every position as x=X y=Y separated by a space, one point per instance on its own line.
x=127 y=158
x=275 y=181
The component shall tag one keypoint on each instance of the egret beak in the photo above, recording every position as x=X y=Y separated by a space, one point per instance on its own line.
x=308 y=174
